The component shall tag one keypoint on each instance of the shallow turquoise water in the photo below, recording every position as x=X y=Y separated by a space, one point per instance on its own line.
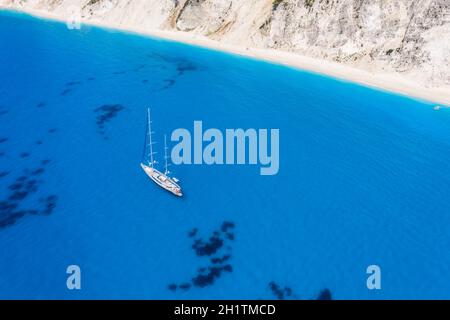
x=364 y=175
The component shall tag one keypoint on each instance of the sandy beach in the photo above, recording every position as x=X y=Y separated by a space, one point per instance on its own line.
x=391 y=82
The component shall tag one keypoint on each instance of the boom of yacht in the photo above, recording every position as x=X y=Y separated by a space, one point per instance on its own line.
x=148 y=165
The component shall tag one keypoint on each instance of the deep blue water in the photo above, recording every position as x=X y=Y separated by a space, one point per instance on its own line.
x=364 y=176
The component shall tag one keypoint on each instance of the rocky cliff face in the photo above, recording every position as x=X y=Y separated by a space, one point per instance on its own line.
x=411 y=37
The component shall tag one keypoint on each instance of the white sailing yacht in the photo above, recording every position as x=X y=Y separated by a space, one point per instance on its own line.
x=161 y=179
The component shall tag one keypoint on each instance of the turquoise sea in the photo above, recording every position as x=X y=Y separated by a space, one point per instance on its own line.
x=364 y=176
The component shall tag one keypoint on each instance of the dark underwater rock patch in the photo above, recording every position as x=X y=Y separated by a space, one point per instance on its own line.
x=70 y=86
x=282 y=293
x=52 y=130
x=73 y=83
x=192 y=232
x=172 y=287
x=213 y=273
x=41 y=104
x=230 y=236
x=180 y=65
x=325 y=294
x=105 y=114
x=184 y=66
x=3 y=140
x=184 y=286
x=227 y=225
x=49 y=204
x=279 y=292
x=220 y=260
x=3 y=174
x=20 y=190
x=207 y=248
x=168 y=83
x=216 y=248
x=24 y=154
x=38 y=171
x=65 y=92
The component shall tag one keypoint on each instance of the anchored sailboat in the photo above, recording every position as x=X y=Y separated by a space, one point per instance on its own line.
x=161 y=179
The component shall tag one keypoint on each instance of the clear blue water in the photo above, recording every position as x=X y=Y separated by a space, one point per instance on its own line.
x=364 y=175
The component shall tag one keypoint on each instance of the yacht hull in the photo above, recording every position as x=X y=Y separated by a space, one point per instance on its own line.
x=162 y=180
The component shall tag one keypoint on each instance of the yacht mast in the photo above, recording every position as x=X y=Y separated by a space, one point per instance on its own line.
x=150 y=143
x=165 y=155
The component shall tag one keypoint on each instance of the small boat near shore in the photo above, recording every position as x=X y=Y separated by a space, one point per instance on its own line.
x=148 y=165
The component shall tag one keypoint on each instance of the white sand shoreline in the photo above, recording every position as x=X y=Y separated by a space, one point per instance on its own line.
x=390 y=82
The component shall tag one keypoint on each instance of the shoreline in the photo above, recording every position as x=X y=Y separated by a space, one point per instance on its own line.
x=387 y=82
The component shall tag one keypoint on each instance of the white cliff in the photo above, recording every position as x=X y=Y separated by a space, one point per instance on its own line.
x=410 y=38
